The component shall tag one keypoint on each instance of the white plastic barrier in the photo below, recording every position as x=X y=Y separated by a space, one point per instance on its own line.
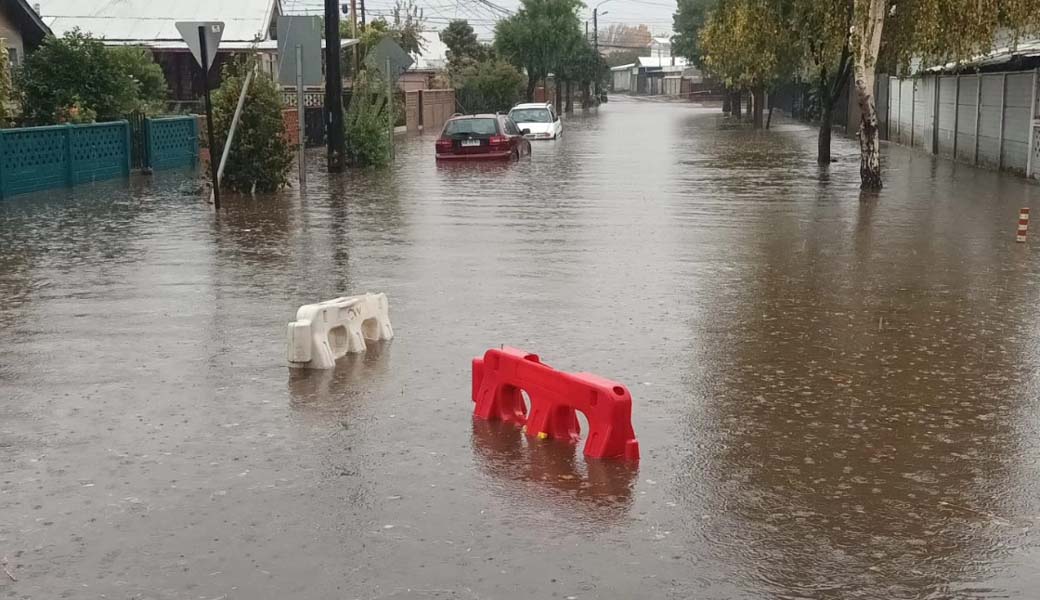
x=328 y=330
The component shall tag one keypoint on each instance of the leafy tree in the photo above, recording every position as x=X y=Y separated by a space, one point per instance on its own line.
x=824 y=28
x=581 y=64
x=461 y=41
x=366 y=130
x=77 y=70
x=487 y=86
x=748 y=45
x=408 y=23
x=689 y=18
x=138 y=65
x=537 y=36
x=626 y=57
x=5 y=82
x=260 y=156
x=938 y=32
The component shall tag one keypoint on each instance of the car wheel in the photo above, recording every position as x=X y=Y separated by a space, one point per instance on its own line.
x=515 y=156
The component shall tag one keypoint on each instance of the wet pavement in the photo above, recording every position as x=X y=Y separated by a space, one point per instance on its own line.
x=835 y=396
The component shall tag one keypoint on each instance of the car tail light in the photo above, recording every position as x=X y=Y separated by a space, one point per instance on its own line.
x=499 y=140
x=443 y=145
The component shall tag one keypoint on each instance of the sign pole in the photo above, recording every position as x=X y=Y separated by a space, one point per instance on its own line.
x=390 y=107
x=301 y=115
x=209 y=118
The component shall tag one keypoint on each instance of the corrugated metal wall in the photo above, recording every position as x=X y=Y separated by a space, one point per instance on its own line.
x=982 y=119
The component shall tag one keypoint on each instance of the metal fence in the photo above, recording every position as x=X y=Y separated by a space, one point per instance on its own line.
x=986 y=119
x=39 y=158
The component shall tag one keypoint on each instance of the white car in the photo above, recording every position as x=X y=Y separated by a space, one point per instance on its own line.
x=539 y=118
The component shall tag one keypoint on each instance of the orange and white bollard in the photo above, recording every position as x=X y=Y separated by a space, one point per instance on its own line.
x=1023 y=225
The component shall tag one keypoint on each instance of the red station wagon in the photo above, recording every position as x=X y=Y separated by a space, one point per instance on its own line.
x=481 y=137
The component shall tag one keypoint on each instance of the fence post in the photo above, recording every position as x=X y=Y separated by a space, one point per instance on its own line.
x=1032 y=125
x=899 y=111
x=978 y=115
x=3 y=150
x=936 y=83
x=1003 y=109
x=913 y=108
x=956 y=111
x=68 y=155
x=129 y=148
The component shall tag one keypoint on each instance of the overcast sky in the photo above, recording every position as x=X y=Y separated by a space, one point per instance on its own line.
x=655 y=14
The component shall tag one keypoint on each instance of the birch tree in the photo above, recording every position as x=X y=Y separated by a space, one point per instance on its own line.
x=934 y=32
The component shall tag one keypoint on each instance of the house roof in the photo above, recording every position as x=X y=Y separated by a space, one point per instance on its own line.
x=154 y=20
x=657 y=62
x=29 y=24
x=1025 y=49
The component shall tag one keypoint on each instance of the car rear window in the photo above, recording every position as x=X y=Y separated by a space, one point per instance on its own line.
x=531 y=115
x=471 y=127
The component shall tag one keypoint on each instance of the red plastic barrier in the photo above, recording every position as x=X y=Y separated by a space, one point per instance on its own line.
x=500 y=375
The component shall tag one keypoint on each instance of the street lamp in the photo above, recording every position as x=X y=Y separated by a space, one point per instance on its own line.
x=595 y=36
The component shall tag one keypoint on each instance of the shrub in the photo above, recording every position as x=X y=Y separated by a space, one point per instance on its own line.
x=365 y=127
x=77 y=70
x=260 y=157
x=487 y=86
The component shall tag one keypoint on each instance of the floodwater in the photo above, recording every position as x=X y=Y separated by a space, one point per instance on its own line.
x=836 y=397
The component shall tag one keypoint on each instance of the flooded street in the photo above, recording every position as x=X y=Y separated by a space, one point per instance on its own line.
x=835 y=397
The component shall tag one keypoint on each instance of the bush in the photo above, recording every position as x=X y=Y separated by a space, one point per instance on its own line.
x=260 y=156
x=487 y=86
x=76 y=73
x=365 y=127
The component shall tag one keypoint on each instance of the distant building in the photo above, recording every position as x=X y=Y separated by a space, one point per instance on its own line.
x=21 y=29
x=621 y=77
x=249 y=26
x=650 y=71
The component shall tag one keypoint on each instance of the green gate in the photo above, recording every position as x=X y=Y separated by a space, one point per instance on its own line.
x=172 y=142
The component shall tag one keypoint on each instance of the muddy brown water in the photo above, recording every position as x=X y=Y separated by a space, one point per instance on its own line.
x=835 y=396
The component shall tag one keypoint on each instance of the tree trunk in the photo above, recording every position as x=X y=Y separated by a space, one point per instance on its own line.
x=569 y=107
x=769 y=117
x=727 y=100
x=738 y=103
x=823 y=143
x=756 y=101
x=531 y=84
x=750 y=102
x=585 y=103
x=559 y=95
x=868 y=44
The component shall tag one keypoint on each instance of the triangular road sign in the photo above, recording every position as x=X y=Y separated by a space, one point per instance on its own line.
x=212 y=30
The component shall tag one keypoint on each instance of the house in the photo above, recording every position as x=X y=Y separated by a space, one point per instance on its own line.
x=249 y=26
x=650 y=71
x=661 y=47
x=621 y=77
x=20 y=28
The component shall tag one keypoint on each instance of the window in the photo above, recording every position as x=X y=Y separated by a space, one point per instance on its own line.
x=511 y=127
x=531 y=115
x=12 y=57
x=477 y=126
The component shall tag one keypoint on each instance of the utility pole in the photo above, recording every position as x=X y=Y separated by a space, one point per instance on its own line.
x=362 y=14
x=595 y=42
x=595 y=29
x=333 y=89
x=353 y=34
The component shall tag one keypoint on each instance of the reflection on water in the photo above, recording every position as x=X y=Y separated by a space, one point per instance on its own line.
x=601 y=489
x=835 y=394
